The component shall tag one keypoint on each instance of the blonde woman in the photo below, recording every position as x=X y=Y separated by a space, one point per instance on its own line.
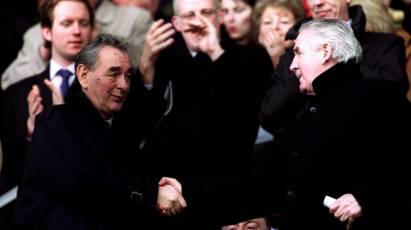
x=274 y=18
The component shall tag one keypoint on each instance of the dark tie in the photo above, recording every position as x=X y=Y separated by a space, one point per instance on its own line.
x=65 y=76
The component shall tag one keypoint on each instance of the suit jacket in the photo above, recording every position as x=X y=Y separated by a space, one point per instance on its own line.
x=383 y=58
x=129 y=22
x=349 y=139
x=80 y=173
x=15 y=113
x=210 y=123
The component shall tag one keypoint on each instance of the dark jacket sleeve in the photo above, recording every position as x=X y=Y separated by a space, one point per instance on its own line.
x=73 y=163
x=385 y=62
x=283 y=100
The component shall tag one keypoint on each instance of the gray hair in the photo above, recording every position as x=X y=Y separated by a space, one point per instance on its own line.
x=339 y=35
x=88 y=56
x=176 y=9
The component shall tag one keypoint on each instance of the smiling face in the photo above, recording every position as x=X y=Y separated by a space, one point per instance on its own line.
x=236 y=15
x=329 y=9
x=70 y=31
x=188 y=20
x=108 y=84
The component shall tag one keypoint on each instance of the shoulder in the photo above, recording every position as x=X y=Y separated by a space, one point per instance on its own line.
x=126 y=13
x=25 y=85
x=381 y=39
x=34 y=30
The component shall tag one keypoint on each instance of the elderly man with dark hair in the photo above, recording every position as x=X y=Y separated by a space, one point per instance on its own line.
x=80 y=172
x=348 y=143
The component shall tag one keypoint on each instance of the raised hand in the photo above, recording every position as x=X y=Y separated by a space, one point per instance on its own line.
x=274 y=45
x=159 y=37
x=347 y=209
x=170 y=200
x=58 y=98
x=34 y=107
x=209 y=39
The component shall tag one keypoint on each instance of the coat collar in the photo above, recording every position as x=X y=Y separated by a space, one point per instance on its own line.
x=335 y=77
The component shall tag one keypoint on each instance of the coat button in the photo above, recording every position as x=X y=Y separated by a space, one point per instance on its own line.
x=136 y=196
x=312 y=109
x=290 y=194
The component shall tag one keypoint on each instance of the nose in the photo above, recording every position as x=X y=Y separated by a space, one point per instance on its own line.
x=76 y=28
x=294 y=65
x=229 y=16
x=123 y=83
x=196 y=22
x=276 y=24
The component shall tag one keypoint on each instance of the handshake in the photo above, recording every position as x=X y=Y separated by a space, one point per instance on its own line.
x=170 y=200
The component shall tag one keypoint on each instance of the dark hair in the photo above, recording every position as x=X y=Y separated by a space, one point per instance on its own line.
x=88 y=56
x=47 y=11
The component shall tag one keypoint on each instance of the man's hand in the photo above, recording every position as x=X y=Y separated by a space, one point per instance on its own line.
x=34 y=107
x=346 y=208
x=58 y=98
x=159 y=37
x=209 y=39
x=170 y=199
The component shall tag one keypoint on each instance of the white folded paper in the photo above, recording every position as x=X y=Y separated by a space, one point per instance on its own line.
x=328 y=201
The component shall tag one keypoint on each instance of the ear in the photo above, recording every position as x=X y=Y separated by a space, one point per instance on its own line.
x=46 y=32
x=177 y=23
x=327 y=52
x=83 y=75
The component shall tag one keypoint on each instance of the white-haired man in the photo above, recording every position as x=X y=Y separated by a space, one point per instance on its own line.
x=346 y=139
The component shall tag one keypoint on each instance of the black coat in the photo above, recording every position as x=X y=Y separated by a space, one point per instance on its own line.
x=15 y=114
x=350 y=138
x=383 y=58
x=211 y=123
x=80 y=173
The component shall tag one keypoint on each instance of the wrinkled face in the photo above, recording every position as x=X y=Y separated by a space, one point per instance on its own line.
x=70 y=31
x=107 y=85
x=308 y=60
x=278 y=20
x=189 y=21
x=254 y=224
x=236 y=15
x=329 y=9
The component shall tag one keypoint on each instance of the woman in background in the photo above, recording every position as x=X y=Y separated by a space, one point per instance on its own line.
x=274 y=18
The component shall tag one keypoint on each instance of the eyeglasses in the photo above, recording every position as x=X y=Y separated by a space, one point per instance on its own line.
x=191 y=15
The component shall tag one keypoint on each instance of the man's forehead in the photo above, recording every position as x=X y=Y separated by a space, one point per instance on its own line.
x=112 y=56
x=192 y=5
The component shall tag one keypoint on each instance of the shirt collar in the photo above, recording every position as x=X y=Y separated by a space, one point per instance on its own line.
x=55 y=67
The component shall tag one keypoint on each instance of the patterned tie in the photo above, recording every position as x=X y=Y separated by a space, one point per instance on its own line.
x=65 y=75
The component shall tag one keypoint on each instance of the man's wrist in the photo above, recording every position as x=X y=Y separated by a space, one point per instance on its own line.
x=216 y=54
